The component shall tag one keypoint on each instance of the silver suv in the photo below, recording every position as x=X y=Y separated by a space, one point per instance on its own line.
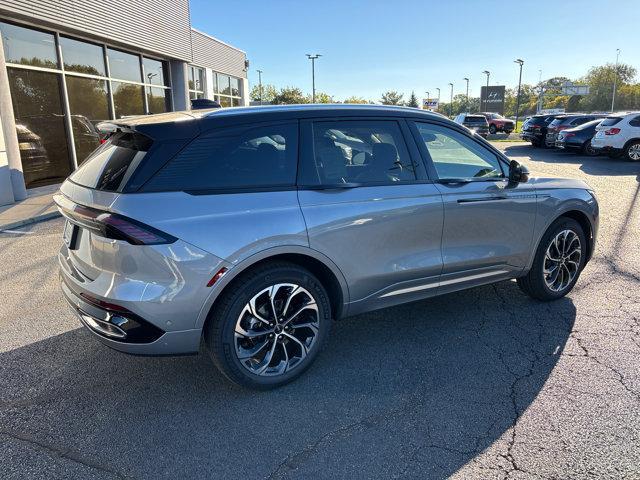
x=253 y=228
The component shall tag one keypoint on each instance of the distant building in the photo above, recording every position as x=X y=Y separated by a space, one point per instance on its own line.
x=67 y=65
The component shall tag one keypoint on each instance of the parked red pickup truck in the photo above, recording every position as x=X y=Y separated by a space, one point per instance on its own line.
x=497 y=123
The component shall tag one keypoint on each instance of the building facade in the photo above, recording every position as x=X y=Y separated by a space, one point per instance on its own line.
x=66 y=65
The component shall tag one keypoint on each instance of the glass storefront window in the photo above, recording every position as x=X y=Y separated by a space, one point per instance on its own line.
x=225 y=101
x=82 y=57
x=128 y=99
x=235 y=87
x=124 y=66
x=158 y=100
x=154 y=72
x=28 y=47
x=89 y=105
x=224 y=85
x=196 y=79
x=40 y=125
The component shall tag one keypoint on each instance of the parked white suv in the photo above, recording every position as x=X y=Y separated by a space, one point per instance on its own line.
x=619 y=135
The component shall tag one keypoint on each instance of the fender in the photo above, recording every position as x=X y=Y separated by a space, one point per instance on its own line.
x=237 y=268
x=586 y=205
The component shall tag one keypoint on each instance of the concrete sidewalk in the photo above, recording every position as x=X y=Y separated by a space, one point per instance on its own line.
x=36 y=207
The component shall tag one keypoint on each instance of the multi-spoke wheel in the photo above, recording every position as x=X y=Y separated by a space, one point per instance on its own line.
x=633 y=151
x=276 y=329
x=558 y=262
x=269 y=325
x=562 y=260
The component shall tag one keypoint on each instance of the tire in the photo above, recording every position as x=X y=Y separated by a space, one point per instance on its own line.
x=268 y=367
x=536 y=283
x=588 y=150
x=632 y=151
x=492 y=129
x=535 y=143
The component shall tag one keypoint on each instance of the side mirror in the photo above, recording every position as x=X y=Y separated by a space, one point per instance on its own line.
x=518 y=173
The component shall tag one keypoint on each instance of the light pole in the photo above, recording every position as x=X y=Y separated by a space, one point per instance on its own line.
x=313 y=75
x=486 y=93
x=520 y=62
x=451 y=102
x=467 y=102
x=615 y=80
x=260 y=84
x=428 y=96
x=438 y=94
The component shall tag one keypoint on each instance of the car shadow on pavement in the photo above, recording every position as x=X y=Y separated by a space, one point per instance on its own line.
x=423 y=387
x=599 y=165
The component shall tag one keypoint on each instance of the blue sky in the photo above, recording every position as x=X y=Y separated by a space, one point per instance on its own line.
x=372 y=46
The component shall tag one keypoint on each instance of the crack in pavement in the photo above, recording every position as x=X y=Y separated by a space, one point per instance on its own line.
x=62 y=453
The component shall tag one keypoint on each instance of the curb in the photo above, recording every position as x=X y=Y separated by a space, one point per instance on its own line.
x=29 y=221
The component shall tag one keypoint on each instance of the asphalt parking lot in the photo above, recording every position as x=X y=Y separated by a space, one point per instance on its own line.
x=485 y=383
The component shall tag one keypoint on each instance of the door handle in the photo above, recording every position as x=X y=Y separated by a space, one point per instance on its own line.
x=491 y=198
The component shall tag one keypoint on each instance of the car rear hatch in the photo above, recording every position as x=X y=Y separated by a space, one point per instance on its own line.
x=133 y=151
x=476 y=123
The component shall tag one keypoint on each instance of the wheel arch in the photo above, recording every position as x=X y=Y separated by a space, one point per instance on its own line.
x=318 y=264
x=629 y=142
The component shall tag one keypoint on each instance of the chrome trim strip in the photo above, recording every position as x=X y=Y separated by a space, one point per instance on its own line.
x=443 y=283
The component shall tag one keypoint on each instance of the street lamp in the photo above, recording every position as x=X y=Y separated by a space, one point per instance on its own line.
x=486 y=93
x=451 y=102
x=520 y=62
x=260 y=84
x=467 y=80
x=438 y=94
x=428 y=96
x=313 y=75
x=615 y=80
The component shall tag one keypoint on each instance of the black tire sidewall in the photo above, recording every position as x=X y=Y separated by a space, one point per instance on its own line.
x=225 y=356
x=492 y=129
x=536 y=273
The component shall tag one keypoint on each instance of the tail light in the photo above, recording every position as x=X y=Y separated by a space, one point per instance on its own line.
x=111 y=225
x=612 y=131
x=561 y=127
x=536 y=127
x=567 y=135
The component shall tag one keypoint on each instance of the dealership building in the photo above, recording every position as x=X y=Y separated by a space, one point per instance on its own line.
x=66 y=65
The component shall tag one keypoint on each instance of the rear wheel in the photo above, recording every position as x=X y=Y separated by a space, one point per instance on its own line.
x=632 y=152
x=588 y=149
x=269 y=326
x=492 y=129
x=560 y=257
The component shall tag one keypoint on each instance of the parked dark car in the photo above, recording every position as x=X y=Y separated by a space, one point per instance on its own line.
x=477 y=123
x=578 y=139
x=563 y=122
x=497 y=123
x=534 y=130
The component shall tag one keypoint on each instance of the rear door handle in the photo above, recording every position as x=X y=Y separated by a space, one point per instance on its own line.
x=491 y=198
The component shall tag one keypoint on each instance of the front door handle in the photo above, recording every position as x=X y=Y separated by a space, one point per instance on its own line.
x=491 y=198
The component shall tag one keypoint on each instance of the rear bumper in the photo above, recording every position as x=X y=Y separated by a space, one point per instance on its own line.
x=530 y=136
x=147 y=338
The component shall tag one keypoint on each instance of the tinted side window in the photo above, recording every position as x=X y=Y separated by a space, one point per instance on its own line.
x=635 y=122
x=233 y=158
x=361 y=151
x=456 y=156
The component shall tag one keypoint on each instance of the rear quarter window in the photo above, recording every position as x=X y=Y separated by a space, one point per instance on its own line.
x=112 y=164
x=250 y=157
x=608 y=122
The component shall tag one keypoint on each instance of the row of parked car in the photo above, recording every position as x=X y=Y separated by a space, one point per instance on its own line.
x=590 y=134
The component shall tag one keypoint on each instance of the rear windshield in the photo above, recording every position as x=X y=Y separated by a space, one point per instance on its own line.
x=111 y=165
x=475 y=119
x=607 y=122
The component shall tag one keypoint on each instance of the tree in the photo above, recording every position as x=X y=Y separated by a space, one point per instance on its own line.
x=600 y=80
x=413 y=101
x=268 y=93
x=354 y=99
x=289 y=95
x=391 y=97
x=321 y=97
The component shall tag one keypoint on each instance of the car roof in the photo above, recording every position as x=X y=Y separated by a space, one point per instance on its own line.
x=188 y=123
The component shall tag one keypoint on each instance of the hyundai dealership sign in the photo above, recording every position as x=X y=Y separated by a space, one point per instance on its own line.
x=492 y=99
x=430 y=103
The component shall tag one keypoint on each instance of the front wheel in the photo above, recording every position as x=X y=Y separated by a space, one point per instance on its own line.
x=632 y=152
x=492 y=129
x=269 y=326
x=559 y=259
